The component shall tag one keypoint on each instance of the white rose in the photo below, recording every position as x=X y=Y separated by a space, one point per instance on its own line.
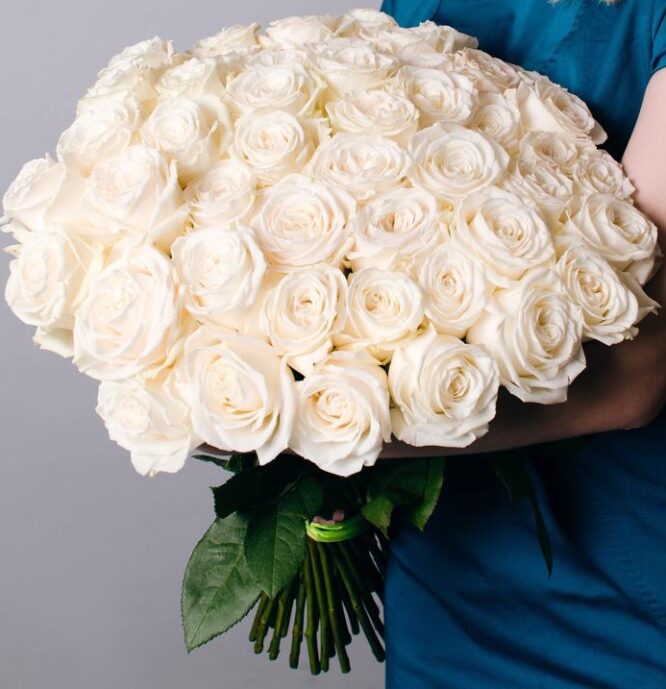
x=455 y=288
x=342 y=417
x=611 y=303
x=294 y=32
x=347 y=64
x=363 y=164
x=300 y=222
x=221 y=271
x=389 y=113
x=281 y=87
x=534 y=332
x=193 y=78
x=229 y=39
x=131 y=319
x=136 y=194
x=552 y=149
x=276 y=57
x=194 y=133
x=384 y=310
x=424 y=55
x=453 y=162
x=599 y=172
x=440 y=96
x=444 y=391
x=441 y=39
x=364 y=23
x=241 y=393
x=489 y=74
x=303 y=313
x=496 y=115
x=274 y=143
x=18 y=230
x=120 y=83
x=223 y=195
x=395 y=228
x=549 y=107
x=508 y=235
x=154 y=53
x=47 y=281
x=150 y=420
x=619 y=232
x=98 y=134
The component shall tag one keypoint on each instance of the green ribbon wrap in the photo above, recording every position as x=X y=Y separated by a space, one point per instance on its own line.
x=340 y=531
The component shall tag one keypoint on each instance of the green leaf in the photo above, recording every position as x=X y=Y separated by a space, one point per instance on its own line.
x=432 y=488
x=378 y=511
x=276 y=540
x=235 y=462
x=218 y=587
x=510 y=468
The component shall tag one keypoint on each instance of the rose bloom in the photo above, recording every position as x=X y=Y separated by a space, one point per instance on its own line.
x=394 y=229
x=294 y=32
x=148 y=418
x=221 y=272
x=47 y=281
x=440 y=96
x=300 y=222
x=497 y=116
x=444 y=391
x=553 y=149
x=384 y=310
x=303 y=312
x=136 y=195
x=120 y=83
x=194 y=133
x=364 y=23
x=362 y=164
x=240 y=391
x=131 y=320
x=437 y=38
x=154 y=53
x=223 y=195
x=507 y=234
x=534 y=332
x=488 y=73
x=453 y=162
x=342 y=414
x=194 y=78
x=230 y=38
x=599 y=172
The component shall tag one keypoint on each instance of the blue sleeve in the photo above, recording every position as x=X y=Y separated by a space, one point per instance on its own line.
x=409 y=13
x=659 y=36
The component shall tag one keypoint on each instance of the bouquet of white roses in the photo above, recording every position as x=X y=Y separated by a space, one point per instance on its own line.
x=314 y=238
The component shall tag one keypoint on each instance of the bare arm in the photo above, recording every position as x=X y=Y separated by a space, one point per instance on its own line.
x=623 y=386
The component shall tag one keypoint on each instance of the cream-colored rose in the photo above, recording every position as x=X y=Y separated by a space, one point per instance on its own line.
x=619 y=232
x=274 y=143
x=241 y=393
x=99 y=134
x=294 y=32
x=453 y=162
x=135 y=194
x=394 y=229
x=342 y=417
x=193 y=78
x=598 y=172
x=300 y=222
x=154 y=54
x=131 y=319
x=364 y=23
x=497 y=116
x=220 y=270
x=362 y=164
x=440 y=96
x=444 y=391
x=223 y=195
x=554 y=150
x=194 y=133
x=545 y=106
x=509 y=235
x=438 y=38
x=534 y=332
x=148 y=418
x=281 y=87
x=384 y=310
x=488 y=73
x=120 y=83
x=302 y=314
x=347 y=64
x=47 y=281
x=229 y=39
x=389 y=113
x=611 y=302
x=455 y=288
x=424 y=55
x=276 y=57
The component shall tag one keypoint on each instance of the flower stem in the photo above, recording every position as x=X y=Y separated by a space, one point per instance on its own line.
x=297 y=633
x=365 y=593
x=311 y=629
x=262 y=629
x=321 y=603
x=263 y=599
x=274 y=648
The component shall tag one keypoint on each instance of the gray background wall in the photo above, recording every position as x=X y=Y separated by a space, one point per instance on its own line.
x=91 y=554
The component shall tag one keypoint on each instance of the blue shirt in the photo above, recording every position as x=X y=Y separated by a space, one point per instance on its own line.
x=469 y=604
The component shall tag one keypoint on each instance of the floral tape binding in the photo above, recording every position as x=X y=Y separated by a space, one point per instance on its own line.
x=340 y=531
